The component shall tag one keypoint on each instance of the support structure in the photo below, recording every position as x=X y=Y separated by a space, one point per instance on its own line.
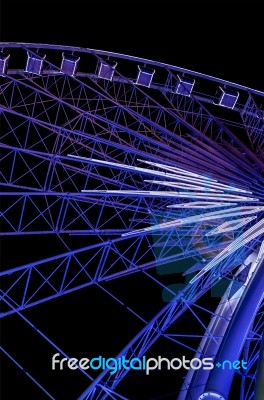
x=117 y=178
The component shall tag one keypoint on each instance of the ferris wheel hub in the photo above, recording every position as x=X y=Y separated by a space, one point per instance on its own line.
x=211 y=396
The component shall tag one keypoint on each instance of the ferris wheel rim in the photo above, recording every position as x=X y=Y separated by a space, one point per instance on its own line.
x=99 y=53
x=59 y=47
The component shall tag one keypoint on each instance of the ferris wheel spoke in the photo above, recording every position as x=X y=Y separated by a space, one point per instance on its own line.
x=128 y=182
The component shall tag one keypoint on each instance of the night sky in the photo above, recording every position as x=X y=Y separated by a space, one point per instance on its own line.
x=219 y=38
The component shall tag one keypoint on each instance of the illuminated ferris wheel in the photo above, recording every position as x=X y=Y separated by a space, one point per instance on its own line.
x=135 y=172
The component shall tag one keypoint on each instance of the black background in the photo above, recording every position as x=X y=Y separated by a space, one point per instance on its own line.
x=223 y=39
x=220 y=38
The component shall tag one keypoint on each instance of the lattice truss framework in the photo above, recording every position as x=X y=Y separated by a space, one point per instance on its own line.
x=151 y=175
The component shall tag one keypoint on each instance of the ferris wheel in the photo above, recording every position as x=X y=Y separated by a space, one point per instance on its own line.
x=145 y=181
